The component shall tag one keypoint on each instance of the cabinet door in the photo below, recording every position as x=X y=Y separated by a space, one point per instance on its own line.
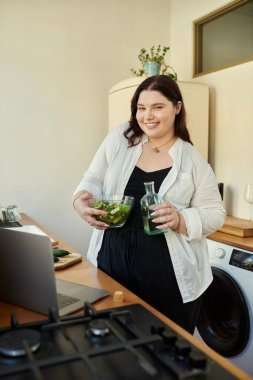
x=196 y=99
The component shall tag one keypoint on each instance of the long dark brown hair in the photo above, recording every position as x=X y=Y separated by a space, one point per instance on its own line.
x=168 y=88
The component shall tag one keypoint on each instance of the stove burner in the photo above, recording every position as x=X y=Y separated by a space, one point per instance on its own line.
x=98 y=327
x=109 y=344
x=12 y=343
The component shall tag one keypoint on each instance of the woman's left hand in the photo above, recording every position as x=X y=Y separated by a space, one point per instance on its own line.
x=167 y=217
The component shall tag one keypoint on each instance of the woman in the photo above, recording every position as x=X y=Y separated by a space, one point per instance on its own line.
x=169 y=271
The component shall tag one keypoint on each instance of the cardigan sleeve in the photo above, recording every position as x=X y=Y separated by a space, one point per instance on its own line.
x=206 y=213
x=93 y=178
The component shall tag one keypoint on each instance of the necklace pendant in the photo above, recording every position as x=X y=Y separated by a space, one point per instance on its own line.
x=156 y=150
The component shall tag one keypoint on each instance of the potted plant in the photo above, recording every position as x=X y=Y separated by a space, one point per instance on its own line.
x=153 y=62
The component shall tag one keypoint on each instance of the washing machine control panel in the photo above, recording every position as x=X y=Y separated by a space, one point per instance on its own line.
x=242 y=260
x=231 y=258
x=220 y=253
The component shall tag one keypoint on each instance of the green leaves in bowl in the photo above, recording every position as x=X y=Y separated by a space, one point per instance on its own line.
x=117 y=212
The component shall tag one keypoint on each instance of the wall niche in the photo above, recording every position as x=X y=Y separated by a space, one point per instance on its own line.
x=224 y=38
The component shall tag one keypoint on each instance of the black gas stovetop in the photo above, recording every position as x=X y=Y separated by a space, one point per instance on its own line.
x=118 y=344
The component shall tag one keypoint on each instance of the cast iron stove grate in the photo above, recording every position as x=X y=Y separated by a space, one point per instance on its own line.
x=121 y=343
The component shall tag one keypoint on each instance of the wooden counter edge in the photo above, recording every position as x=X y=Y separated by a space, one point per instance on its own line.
x=233 y=240
x=70 y=274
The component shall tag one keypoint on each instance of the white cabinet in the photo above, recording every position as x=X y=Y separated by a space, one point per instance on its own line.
x=196 y=99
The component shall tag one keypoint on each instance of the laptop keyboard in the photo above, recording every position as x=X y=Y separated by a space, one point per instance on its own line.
x=64 y=300
x=9 y=224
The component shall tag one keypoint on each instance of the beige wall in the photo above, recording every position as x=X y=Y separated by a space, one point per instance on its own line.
x=58 y=60
x=231 y=99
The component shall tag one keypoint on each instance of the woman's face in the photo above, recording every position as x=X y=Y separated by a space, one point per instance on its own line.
x=156 y=114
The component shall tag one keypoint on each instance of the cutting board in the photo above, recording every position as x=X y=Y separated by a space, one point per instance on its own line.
x=237 y=226
x=67 y=261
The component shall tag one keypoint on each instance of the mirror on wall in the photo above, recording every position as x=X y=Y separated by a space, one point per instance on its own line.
x=224 y=37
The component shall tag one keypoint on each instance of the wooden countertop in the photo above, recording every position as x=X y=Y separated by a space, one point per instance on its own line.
x=236 y=241
x=87 y=274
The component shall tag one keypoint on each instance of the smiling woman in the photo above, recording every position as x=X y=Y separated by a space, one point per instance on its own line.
x=170 y=271
x=196 y=104
x=156 y=116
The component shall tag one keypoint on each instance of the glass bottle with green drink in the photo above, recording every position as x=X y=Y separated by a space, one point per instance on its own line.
x=149 y=203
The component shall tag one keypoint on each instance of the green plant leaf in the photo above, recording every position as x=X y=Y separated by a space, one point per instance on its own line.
x=156 y=54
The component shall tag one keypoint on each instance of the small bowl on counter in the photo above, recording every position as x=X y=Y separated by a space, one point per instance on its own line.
x=118 y=209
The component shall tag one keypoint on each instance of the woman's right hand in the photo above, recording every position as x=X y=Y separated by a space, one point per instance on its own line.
x=82 y=206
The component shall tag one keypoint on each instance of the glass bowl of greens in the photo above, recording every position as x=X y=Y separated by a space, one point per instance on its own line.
x=118 y=210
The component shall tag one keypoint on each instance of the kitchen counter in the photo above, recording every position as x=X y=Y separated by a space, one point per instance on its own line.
x=236 y=241
x=87 y=274
x=236 y=232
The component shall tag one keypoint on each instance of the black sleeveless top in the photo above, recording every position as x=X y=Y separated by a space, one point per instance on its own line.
x=142 y=263
x=135 y=188
x=121 y=246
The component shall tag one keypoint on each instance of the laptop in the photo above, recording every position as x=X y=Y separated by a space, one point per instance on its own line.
x=27 y=276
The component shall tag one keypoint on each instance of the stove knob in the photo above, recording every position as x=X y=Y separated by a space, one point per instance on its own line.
x=197 y=360
x=157 y=330
x=182 y=349
x=220 y=253
x=169 y=338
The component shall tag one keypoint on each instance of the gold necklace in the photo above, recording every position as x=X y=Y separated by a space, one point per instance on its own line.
x=156 y=148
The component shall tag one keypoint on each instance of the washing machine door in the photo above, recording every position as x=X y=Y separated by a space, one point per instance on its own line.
x=224 y=322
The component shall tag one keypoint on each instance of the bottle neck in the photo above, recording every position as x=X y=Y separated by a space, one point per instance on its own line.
x=149 y=187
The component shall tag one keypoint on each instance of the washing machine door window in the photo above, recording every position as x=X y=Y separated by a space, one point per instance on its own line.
x=224 y=322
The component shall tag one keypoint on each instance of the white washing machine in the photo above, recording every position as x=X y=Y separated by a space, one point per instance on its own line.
x=226 y=317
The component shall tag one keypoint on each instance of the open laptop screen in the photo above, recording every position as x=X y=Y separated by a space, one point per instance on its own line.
x=27 y=276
